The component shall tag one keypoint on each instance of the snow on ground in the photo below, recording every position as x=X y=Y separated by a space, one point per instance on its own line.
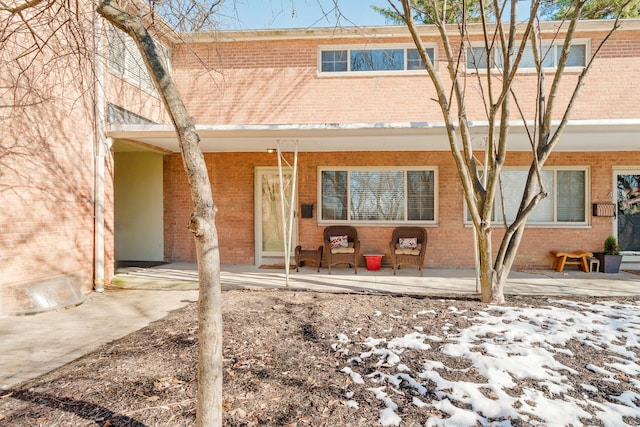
x=515 y=354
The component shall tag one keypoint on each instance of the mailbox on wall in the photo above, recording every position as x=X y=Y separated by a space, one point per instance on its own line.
x=307 y=211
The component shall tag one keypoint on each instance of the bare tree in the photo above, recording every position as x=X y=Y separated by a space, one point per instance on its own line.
x=202 y=223
x=38 y=33
x=500 y=37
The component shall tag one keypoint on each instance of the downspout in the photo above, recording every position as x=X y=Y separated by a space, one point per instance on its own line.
x=101 y=144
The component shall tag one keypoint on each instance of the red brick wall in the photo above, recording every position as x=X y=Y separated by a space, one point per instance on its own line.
x=450 y=241
x=46 y=194
x=275 y=81
x=47 y=163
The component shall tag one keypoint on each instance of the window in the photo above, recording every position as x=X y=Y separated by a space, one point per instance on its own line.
x=477 y=57
x=126 y=62
x=368 y=60
x=376 y=59
x=334 y=61
x=375 y=195
x=577 y=55
x=566 y=203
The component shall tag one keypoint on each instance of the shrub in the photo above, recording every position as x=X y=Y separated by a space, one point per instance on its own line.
x=611 y=246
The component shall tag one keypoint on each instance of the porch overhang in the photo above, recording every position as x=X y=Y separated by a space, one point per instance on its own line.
x=578 y=136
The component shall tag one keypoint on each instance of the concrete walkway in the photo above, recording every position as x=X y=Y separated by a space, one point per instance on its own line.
x=33 y=345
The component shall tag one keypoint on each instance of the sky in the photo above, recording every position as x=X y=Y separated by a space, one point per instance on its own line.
x=274 y=14
x=277 y=14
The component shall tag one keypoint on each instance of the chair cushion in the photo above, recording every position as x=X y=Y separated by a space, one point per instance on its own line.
x=407 y=251
x=343 y=250
x=339 y=241
x=408 y=242
x=419 y=247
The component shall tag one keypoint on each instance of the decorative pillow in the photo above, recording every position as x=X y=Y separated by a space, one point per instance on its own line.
x=408 y=243
x=339 y=241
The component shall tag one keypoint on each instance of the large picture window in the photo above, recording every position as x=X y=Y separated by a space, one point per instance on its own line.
x=355 y=60
x=377 y=195
x=549 y=55
x=566 y=203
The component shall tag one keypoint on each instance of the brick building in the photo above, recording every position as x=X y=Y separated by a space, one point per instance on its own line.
x=359 y=107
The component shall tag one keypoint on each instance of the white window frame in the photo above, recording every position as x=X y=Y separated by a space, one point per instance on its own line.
x=130 y=67
x=530 y=70
x=350 y=169
x=554 y=199
x=349 y=48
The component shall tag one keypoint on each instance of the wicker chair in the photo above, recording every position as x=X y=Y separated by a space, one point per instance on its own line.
x=346 y=255
x=408 y=256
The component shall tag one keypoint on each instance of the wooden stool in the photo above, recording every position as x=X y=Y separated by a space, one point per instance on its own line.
x=593 y=262
x=578 y=258
x=311 y=255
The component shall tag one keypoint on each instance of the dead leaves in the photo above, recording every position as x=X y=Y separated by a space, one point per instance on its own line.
x=164 y=384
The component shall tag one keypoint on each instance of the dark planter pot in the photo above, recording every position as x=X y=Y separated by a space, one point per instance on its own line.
x=609 y=263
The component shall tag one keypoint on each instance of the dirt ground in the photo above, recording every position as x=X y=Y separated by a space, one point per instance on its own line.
x=281 y=367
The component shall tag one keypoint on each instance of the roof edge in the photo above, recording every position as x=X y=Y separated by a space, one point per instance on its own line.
x=360 y=126
x=383 y=31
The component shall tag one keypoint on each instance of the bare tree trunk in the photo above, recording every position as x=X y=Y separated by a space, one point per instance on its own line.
x=202 y=224
x=491 y=279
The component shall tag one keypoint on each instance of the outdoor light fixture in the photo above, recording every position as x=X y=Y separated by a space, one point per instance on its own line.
x=271 y=150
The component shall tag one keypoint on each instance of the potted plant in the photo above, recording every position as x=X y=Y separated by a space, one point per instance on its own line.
x=610 y=259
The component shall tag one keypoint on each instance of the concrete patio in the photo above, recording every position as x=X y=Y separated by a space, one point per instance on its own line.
x=407 y=281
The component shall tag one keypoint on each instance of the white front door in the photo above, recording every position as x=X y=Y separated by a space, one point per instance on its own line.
x=270 y=231
x=628 y=216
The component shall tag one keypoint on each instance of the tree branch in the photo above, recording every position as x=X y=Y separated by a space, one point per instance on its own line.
x=565 y=117
x=466 y=168
x=20 y=8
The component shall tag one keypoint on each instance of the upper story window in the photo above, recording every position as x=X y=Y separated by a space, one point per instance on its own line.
x=368 y=59
x=126 y=61
x=565 y=205
x=476 y=59
x=377 y=195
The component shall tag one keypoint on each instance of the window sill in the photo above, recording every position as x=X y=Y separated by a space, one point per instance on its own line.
x=527 y=71
x=555 y=226
x=356 y=74
x=431 y=224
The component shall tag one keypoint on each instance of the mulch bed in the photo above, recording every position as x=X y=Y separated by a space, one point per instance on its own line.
x=281 y=367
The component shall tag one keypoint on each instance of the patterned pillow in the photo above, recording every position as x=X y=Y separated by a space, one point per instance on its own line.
x=339 y=241
x=408 y=243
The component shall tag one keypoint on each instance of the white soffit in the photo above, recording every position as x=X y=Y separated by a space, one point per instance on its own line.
x=579 y=135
